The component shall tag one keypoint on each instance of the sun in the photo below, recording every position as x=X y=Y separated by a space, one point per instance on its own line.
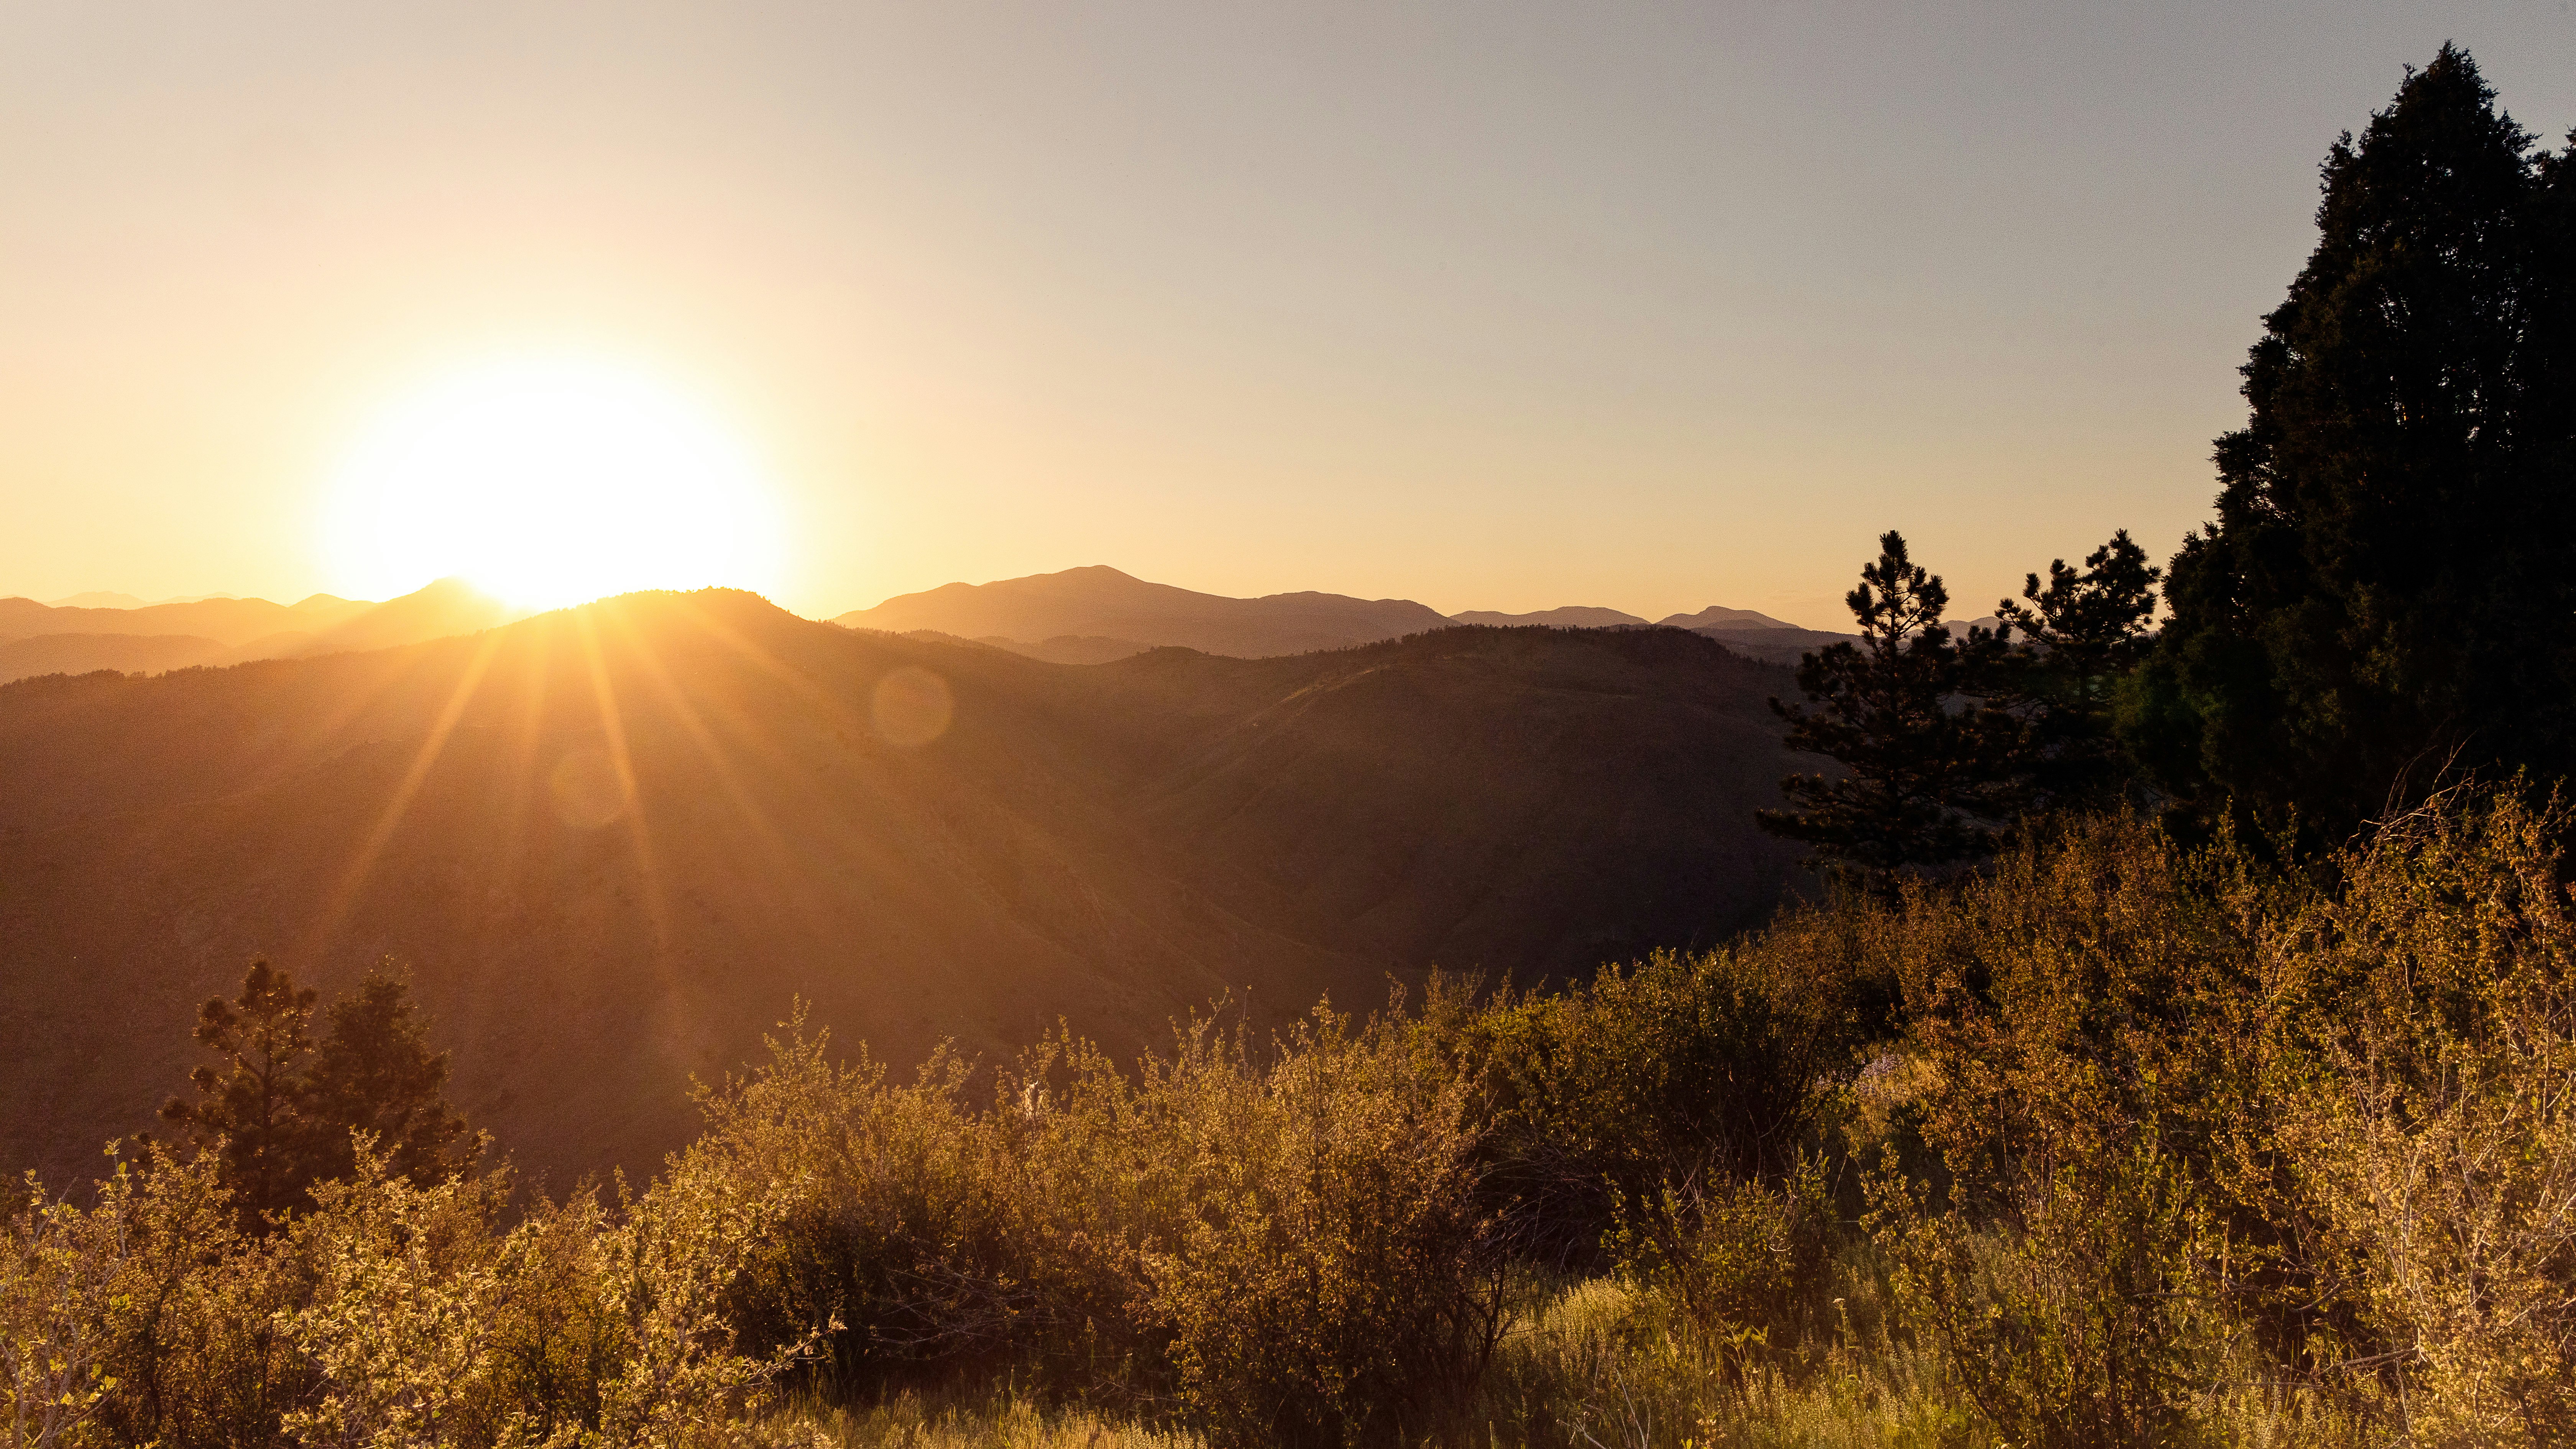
x=551 y=481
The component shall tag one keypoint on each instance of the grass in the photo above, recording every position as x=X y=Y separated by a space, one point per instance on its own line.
x=1585 y=1363
x=997 y=1419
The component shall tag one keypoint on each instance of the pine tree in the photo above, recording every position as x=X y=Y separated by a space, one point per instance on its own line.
x=2381 y=597
x=2082 y=635
x=374 y=1073
x=281 y=1107
x=1927 y=770
x=253 y=1103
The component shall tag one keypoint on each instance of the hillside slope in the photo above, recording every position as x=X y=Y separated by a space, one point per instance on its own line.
x=82 y=653
x=616 y=842
x=1100 y=602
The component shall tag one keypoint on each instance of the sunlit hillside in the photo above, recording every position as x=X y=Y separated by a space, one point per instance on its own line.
x=616 y=843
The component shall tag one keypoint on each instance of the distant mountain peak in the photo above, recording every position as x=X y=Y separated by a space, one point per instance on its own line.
x=1100 y=603
x=1717 y=616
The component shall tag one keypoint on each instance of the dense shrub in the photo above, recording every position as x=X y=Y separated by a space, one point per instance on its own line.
x=1283 y=1250
x=1677 y=1073
x=1333 y=1273
x=387 y=1315
x=1738 y=1260
x=893 y=1240
x=2069 y=1008
x=2205 y=1123
x=2423 y=1048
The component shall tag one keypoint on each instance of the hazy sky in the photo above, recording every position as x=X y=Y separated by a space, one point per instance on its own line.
x=1491 y=306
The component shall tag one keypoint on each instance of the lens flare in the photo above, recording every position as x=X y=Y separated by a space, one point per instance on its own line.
x=912 y=707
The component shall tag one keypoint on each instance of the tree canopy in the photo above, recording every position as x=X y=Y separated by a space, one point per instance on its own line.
x=2381 y=599
x=280 y=1107
x=252 y=1106
x=1927 y=773
x=2081 y=635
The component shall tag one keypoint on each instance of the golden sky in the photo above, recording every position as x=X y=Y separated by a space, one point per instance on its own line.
x=1491 y=306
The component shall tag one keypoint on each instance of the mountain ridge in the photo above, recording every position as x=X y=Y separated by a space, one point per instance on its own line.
x=1098 y=601
x=49 y=639
x=1571 y=616
x=615 y=843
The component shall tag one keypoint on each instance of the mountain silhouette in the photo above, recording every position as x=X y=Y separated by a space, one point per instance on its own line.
x=1570 y=617
x=1716 y=618
x=1100 y=602
x=231 y=622
x=439 y=610
x=42 y=639
x=616 y=843
x=1755 y=636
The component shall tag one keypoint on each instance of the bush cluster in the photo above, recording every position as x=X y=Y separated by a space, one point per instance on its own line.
x=388 y=1314
x=2209 y=1127
x=1282 y=1246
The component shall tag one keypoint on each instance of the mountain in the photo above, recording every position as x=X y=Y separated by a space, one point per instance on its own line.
x=98 y=599
x=1571 y=617
x=1100 y=602
x=226 y=621
x=44 y=639
x=1716 y=617
x=617 y=843
x=436 y=611
x=1755 y=636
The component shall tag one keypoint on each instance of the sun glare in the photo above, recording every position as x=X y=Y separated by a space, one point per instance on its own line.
x=551 y=482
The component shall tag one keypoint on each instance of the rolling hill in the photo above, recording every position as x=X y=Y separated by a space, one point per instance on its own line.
x=41 y=639
x=1100 y=603
x=615 y=843
x=226 y=621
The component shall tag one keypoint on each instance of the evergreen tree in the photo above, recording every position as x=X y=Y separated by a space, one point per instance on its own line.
x=2082 y=633
x=282 y=1106
x=374 y=1073
x=1926 y=777
x=2381 y=597
x=253 y=1103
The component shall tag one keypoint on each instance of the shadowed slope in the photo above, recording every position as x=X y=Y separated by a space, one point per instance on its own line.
x=616 y=841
